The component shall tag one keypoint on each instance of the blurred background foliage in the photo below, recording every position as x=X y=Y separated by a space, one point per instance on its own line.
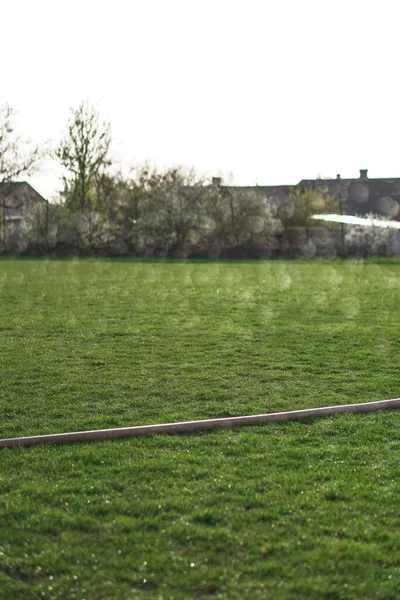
x=158 y=213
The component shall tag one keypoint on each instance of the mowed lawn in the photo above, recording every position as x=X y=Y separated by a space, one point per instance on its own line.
x=294 y=510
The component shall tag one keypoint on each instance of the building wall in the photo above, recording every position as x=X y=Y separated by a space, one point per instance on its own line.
x=359 y=196
x=16 y=197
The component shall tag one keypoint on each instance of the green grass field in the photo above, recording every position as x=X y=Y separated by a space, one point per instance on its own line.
x=294 y=510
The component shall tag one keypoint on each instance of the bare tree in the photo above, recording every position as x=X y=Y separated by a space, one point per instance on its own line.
x=17 y=157
x=84 y=153
x=173 y=206
x=241 y=215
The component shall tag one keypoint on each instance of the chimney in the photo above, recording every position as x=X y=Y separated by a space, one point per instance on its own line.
x=363 y=174
x=338 y=176
x=216 y=181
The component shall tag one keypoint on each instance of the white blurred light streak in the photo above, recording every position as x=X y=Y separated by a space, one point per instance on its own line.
x=365 y=222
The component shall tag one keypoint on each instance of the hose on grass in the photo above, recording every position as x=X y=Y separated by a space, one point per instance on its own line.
x=194 y=426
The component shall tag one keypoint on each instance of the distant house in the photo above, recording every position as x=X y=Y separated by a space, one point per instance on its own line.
x=15 y=199
x=363 y=195
x=358 y=196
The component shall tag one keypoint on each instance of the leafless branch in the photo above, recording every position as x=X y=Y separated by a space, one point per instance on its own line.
x=17 y=156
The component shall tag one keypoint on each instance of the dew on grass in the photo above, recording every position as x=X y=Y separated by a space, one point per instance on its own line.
x=320 y=299
x=350 y=307
x=285 y=282
x=266 y=314
x=246 y=295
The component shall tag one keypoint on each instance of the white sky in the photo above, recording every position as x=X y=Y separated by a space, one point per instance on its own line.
x=277 y=89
